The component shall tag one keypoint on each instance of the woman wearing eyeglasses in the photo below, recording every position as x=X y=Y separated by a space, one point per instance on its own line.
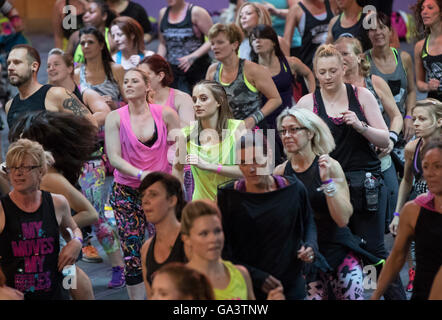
x=307 y=141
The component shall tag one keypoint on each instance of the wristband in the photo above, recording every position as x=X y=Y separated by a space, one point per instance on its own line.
x=79 y=239
x=327 y=181
x=139 y=175
x=219 y=168
x=408 y=117
x=394 y=137
x=396 y=214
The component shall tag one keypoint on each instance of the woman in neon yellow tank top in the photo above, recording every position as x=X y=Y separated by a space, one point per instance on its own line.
x=212 y=162
x=203 y=234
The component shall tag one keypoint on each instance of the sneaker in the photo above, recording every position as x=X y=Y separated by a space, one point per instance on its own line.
x=411 y=273
x=90 y=254
x=118 y=280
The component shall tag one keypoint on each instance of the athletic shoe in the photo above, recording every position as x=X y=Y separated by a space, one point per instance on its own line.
x=411 y=274
x=118 y=280
x=90 y=254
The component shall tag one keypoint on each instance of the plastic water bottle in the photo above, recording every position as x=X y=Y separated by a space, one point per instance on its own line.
x=109 y=214
x=371 y=192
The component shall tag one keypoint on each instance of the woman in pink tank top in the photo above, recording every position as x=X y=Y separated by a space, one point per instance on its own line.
x=136 y=142
x=161 y=77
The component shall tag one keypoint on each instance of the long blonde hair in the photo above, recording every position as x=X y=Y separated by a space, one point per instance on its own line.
x=263 y=15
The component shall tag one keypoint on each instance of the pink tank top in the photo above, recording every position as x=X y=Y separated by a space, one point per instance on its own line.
x=171 y=99
x=136 y=153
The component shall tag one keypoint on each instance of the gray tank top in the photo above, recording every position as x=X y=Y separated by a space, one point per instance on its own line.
x=397 y=81
x=244 y=99
x=106 y=88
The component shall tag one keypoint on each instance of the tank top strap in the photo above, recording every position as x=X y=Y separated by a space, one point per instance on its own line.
x=83 y=82
x=285 y=66
x=119 y=54
x=328 y=8
x=425 y=47
x=171 y=99
x=353 y=101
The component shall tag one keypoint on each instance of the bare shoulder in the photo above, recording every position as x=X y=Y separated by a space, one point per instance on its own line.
x=8 y=106
x=418 y=48
x=279 y=170
x=410 y=147
x=199 y=12
x=181 y=95
x=306 y=102
x=410 y=213
x=243 y=270
x=406 y=57
x=113 y=118
x=211 y=71
x=60 y=201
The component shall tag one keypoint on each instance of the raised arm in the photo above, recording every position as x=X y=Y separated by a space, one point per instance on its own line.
x=113 y=146
x=55 y=183
x=398 y=255
x=299 y=68
x=261 y=79
x=97 y=104
x=376 y=130
x=70 y=252
x=292 y=22
x=162 y=49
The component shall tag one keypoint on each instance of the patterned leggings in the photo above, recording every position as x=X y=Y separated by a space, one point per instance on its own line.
x=92 y=183
x=345 y=284
x=131 y=224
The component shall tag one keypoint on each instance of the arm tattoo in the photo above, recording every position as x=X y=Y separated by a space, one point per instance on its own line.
x=74 y=105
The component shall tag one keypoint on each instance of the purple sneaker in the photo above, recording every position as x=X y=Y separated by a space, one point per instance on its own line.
x=117 y=280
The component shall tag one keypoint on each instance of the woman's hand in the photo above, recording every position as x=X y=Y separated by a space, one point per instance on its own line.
x=196 y=161
x=394 y=225
x=408 y=129
x=386 y=151
x=324 y=167
x=270 y=283
x=433 y=85
x=276 y=294
x=186 y=62
x=250 y=123
x=306 y=254
x=351 y=119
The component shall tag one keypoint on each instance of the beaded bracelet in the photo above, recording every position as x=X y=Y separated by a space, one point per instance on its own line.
x=396 y=214
x=219 y=168
x=408 y=117
x=139 y=175
x=79 y=239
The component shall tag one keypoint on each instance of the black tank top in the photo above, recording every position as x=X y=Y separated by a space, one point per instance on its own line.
x=428 y=244
x=176 y=255
x=79 y=95
x=355 y=31
x=334 y=242
x=313 y=33
x=19 y=107
x=29 y=247
x=353 y=151
x=433 y=69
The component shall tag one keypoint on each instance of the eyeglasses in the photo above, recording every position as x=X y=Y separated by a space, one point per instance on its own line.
x=22 y=169
x=290 y=131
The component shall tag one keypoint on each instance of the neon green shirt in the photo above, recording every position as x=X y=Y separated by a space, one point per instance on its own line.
x=206 y=182
x=237 y=287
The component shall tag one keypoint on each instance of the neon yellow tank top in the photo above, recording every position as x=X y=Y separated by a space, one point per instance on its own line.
x=237 y=287
x=206 y=182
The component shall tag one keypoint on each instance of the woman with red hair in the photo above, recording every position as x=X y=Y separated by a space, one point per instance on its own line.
x=127 y=35
x=160 y=75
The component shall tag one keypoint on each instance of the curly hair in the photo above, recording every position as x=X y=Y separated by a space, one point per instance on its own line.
x=71 y=139
x=421 y=30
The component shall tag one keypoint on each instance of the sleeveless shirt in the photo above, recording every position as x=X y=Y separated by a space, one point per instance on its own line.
x=171 y=99
x=206 y=182
x=136 y=153
x=106 y=88
x=180 y=37
x=244 y=99
x=78 y=54
x=397 y=81
x=433 y=69
x=177 y=254
x=315 y=33
x=35 y=102
x=428 y=247
x=29 y=249
x=353 y=151
x=355 y=31
x=237 y=287
x=419 y=184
